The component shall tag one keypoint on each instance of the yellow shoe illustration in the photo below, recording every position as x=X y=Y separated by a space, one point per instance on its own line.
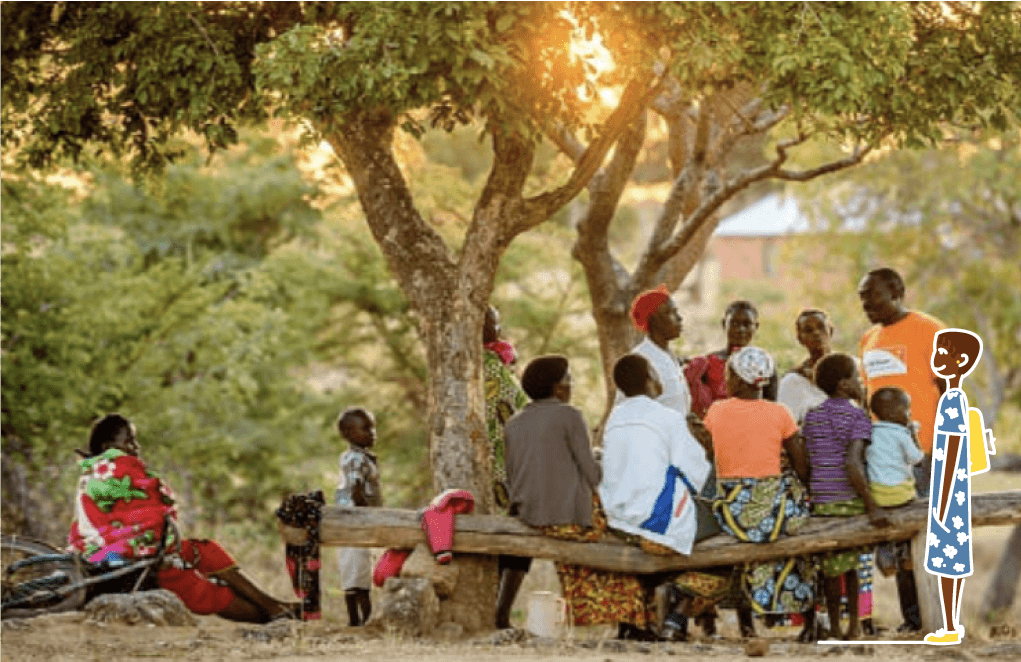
x=943 y=638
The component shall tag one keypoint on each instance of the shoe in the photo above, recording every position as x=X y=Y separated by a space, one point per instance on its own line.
x=708 y=622
x=674 y=629
x=628 y=632
x=943 y=638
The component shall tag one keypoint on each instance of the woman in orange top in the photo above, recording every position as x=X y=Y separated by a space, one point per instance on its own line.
x=757 y=502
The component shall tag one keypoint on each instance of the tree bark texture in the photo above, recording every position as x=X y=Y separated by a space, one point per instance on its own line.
x=489 y=534
x=1002 y=588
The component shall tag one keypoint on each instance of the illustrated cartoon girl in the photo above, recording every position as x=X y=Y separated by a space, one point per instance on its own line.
x=948 y=552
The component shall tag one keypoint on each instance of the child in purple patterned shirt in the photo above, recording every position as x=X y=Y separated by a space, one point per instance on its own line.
x=836 y=434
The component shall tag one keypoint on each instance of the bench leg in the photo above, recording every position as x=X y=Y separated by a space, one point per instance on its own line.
x=928 y=586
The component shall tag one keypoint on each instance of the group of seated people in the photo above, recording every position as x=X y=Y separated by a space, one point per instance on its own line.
x=690 y=449
x=714 y=444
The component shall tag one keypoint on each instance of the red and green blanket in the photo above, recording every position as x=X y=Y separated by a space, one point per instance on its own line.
x=120 y=508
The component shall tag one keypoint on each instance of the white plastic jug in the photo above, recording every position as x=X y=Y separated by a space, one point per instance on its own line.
x=547 y=614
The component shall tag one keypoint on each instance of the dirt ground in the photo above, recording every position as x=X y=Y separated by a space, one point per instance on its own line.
x=70 y=637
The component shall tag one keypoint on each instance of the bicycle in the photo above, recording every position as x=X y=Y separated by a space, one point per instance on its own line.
x=39 y=578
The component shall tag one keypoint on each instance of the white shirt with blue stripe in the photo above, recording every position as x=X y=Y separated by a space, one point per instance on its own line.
x=652 y=468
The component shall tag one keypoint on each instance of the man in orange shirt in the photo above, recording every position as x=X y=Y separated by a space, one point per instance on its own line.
x=896 y=352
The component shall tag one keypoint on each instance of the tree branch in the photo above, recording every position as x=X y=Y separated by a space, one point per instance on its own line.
x=417 y=255
x=672 y=107
x=608 y=184
x=635 y=98
x=565 y=141
x=669 y=102
x=742 y=125
x=216 y=51
x=496 y=212
x=656 y=256
x=805 y=175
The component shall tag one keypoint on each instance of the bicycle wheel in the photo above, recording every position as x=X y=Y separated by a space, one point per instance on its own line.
x=36 y=577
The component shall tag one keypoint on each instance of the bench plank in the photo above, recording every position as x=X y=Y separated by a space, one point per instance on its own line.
x=490 y=534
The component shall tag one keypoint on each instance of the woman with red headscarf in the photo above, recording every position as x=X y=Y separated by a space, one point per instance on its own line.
x=655 y=314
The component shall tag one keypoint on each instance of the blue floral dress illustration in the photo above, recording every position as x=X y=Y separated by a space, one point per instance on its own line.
x=948 y=552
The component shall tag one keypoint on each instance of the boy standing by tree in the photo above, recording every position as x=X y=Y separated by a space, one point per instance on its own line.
x=358 y=486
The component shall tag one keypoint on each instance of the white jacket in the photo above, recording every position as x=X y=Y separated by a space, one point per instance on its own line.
x=647 y=448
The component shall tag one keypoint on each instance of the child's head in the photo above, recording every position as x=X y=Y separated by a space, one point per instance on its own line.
x=358 y=426
x=837 y=375
x=891 y=404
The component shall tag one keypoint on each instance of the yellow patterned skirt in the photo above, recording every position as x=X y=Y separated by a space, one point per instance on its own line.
x=598 y=596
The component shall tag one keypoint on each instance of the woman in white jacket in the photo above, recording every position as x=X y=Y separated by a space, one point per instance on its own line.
x=656 y=476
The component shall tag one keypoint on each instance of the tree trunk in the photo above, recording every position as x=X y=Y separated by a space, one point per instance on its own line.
x=452 y=331
x=1002 y=588
x=448 y=302
x=449 y=298
x=449 y=291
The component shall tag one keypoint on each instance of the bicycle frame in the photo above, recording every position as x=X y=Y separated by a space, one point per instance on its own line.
x=56 y=585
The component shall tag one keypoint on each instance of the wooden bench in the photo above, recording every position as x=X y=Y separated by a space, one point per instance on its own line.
x=489 y=534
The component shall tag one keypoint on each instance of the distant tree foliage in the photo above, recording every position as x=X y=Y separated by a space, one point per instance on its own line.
x=950 y=221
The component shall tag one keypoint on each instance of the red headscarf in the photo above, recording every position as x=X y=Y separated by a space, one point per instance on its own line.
x=646 y=304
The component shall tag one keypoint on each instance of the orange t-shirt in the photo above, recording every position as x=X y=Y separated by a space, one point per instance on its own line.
x=747 y=436
x=899 y=355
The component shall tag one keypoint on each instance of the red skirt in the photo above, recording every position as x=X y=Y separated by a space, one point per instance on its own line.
x=199 y=594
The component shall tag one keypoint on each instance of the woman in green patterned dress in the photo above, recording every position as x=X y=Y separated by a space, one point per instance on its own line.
x=503 y=398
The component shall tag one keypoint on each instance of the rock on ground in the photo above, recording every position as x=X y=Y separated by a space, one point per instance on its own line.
x=422 y=564
x=160 y=607
x=408 y=606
